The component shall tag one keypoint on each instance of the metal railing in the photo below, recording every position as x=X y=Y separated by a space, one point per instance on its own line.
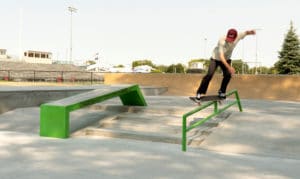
x=51 y=76
x=217 y=111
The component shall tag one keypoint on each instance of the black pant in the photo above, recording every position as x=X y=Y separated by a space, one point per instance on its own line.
x=211 y=70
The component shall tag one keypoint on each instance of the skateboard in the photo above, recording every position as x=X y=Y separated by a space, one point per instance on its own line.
x=207 y=98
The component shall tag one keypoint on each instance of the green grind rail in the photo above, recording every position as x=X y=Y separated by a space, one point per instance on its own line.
x=217 y=111
x=54 y=116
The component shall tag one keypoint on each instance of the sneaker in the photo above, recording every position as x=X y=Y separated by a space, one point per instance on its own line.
x=222 y=95
x=196 y=99
x=198 y=96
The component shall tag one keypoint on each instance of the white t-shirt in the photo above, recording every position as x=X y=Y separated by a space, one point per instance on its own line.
x=226 y=47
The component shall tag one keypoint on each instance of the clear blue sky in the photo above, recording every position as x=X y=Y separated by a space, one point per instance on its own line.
x=164 y=31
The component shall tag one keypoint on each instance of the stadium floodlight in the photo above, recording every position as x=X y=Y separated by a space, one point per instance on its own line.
x=256 y=48
x=72 y=10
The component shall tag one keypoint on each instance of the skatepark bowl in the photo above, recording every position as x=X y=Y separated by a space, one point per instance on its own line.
x=114 y=139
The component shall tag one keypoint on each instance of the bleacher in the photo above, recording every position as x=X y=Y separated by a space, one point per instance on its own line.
x=21 y=71
x=5 y=65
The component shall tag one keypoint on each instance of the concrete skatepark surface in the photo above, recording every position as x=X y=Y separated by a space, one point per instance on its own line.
x=260 y=142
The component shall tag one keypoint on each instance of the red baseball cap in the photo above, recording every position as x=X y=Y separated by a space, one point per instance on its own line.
x=231 y=35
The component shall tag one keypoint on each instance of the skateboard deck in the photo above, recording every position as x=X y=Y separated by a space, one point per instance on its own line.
x=207 y=98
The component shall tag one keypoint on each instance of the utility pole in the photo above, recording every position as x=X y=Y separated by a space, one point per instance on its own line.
x=256 y=49
x=72 y=10
x=204 y=48
x=20 y=35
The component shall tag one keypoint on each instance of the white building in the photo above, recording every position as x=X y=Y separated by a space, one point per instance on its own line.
x=143 y=69
x=31 y=56
x=197 y=65
x=3 y=54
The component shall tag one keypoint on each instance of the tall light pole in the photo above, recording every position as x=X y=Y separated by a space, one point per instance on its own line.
x=20 y=34
x=204 y=49
x=243 y=56
x=256 y=49
x=72 y=10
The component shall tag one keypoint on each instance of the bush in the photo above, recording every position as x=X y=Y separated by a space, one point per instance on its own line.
x=194 y=70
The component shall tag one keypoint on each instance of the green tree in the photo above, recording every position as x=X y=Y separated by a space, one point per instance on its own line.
x=178 y=68
x=142 y=62
x=119 y=66
x=272 y=70
x=162 y=68
x=264 y=70
x=90 y=62
x=240 y=66
x=289 y=56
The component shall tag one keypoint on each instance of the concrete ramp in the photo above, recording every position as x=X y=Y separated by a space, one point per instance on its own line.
x=264 y=128
x=261 y=142
x=152 y=123
x=269 y=128
x=160 y=121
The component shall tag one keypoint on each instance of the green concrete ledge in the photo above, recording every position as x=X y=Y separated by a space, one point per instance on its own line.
x=54 y=116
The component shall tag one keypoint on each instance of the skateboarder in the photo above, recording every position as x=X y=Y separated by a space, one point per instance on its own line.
x=221 y=57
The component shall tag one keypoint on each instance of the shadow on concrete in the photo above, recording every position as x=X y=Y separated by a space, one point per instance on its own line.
x=26 y=156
